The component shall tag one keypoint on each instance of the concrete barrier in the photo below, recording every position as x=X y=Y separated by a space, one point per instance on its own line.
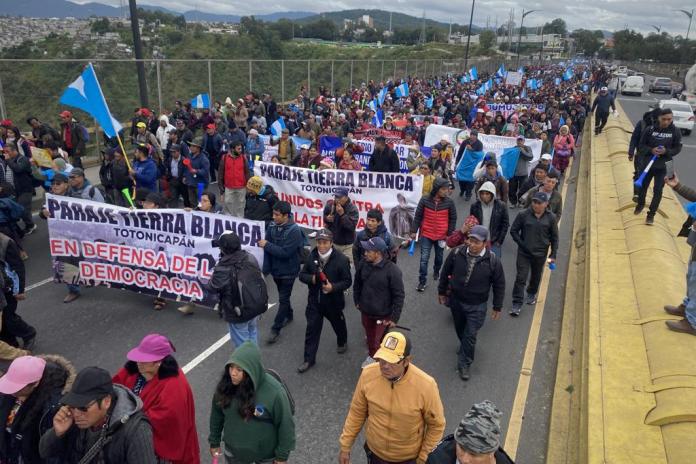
x=626 y=385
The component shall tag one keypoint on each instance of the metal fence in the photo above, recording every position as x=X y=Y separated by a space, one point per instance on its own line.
x=33 y=87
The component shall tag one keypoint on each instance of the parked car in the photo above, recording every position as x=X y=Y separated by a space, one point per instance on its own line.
x=633 y=85
x=661 y=84
x=682 y=112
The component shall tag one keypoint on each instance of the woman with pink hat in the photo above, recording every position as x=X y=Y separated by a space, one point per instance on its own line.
x=153 y=374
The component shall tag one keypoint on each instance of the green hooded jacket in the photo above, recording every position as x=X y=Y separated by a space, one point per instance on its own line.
x=270 y=435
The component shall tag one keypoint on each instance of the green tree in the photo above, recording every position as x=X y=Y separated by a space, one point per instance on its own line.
x=100 y=26
x=557 y=26
x=284 y=28
x=587 y=42
x=628 y=44
x=487 y=39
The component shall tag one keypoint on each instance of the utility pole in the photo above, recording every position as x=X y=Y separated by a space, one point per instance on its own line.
x=138 y=48
x=423 y=37
x=519 y=36
x=468 y=37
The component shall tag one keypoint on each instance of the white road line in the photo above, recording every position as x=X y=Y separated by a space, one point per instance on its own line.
x=38 y=284
x=688 y=146
x=210 y=350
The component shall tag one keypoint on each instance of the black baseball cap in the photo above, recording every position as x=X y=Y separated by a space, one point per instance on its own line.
x=59 y=178
x=91 y=383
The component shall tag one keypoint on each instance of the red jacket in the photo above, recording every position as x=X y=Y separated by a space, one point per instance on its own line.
x=168 y=403
x=233 y=174
x=436 y=219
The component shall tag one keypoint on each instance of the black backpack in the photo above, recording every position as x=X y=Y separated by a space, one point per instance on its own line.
x=251 y=288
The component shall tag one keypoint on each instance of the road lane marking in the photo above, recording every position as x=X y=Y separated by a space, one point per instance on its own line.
x=210 y=350
x=38 y=284
x=512 y=437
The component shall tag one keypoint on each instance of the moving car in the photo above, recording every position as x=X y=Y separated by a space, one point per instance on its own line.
x=622 y=69
x=683 y=114
x=661 y=84
x=633 y=85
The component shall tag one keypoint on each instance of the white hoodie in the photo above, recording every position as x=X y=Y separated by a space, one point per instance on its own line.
x=162 y=134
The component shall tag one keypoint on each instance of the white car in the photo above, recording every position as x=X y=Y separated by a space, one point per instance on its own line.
x=683 y=114
x=633 y=85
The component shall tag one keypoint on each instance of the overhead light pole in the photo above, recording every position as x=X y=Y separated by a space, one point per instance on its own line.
x=690 y=14
x=138 y=49
x=519 y=36
x=468 y=37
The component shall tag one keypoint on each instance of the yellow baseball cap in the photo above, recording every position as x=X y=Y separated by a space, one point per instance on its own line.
x=141 y=124
x=394 y=348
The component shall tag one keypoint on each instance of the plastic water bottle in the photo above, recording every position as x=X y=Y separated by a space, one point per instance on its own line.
x=552 y=264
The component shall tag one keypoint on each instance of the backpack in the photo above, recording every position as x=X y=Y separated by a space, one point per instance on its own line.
x=9 y=277
x=10 y=211
x=492 y=261
x=251 y=288
x=100 y=188
x=280 y=380
x=84 y=133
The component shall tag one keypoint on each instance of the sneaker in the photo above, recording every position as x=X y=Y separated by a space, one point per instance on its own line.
x=436 y=276
x=639 y=209
x=186 y=309
x=516 y=309
x=340 y=349
x=464 y=373
x=70 y=297
x=304 y=367
x=420 y=287
x=635 y=199
x=369 y=360
x=287 y=322
x=531 y=299
x=30 y=230
x=273 y=337
x=650 y=219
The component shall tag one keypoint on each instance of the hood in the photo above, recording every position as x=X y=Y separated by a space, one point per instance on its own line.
x=488 y=187
x=248 y=357
x=59 y=369
x=127 y=404
x=437 y=185
x=164 y=118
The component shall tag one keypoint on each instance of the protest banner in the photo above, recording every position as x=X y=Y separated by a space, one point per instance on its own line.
x=308 y=191
x=513 y=78
x=159 y=252
x=508 y=108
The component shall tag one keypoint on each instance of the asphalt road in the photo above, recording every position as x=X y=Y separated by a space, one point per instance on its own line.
x=99 y=328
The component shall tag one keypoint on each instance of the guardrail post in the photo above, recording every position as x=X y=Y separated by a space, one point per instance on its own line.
x=394 y=70
x=251 y=82
x=3 y=112
x=406 y=69
x=309 y=77
x=210 y=84
x=282 y=80
x=367 y=78
x=351 y=74
x=381 y=77
x=159 y=85
x=332 y=77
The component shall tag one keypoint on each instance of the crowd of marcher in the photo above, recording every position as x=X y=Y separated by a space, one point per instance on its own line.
x=204 y=159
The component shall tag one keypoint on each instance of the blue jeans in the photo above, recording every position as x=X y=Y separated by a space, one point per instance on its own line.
x=243 y=331
x=72 y=288
x=468 y=319
x=284 y=314
x=690 y=299
x=426 y=246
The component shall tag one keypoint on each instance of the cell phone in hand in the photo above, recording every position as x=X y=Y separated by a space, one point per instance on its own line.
x=669 y=166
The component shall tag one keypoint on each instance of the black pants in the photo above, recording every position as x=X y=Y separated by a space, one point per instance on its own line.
x=600 y=121
x=465 y=188
x=177 y=189
x=315 y=322
x=214 y=162
x=468 y=320
x=514 y=187
x=13 y=325
x=285 y=312
x=525 y=263
x=656 y=174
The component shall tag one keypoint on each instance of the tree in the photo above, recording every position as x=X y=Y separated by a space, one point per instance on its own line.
x=487 y=39
x=557 y=26
x=284 y=27
x=100 y=26
x=627 y=45
x=587 y=42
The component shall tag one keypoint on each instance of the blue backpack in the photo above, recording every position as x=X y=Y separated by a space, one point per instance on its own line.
x=10 y=278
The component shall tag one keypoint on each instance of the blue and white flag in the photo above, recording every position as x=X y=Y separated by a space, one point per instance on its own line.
x=521 y=70
x=382 y=95
x=532 y=84
x=561 y=122
x=585 y=88
x=557 y=81
x=524 y=93
x=465 y=79
x=373 y=105
x=402 y=90
x=584 y=75
x=429 y=102
x=501 y=71
x=473 y=74
x=568 y=74
x=508 y=161
x=378 y=118
x=465 y=168
x=277 y=127
x=488 y=85
x=201 y=101
x=86 y=94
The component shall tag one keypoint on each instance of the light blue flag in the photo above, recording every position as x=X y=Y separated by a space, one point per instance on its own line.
x=568 y=74
x=277 y=127
x=532 y=84
x=561 y=122
x=429 y=102
x=524 y=93
x=585 y=88
x=473 y=74
x=86 y=94
x=465 y=79
x=378 y=118
x=501 y=71
x=557 y=81
x=508 y=161
x=488 y=85
x=373 y=105
x=202 y=100
x=465 y=168
x=382 y=95
x=584 y=75
x=520 y=70
x=402 y=90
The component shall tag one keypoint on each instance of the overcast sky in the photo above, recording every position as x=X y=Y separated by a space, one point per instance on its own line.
x=610 y=15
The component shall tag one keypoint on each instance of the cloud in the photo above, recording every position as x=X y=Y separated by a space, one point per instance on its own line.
x=611 y=15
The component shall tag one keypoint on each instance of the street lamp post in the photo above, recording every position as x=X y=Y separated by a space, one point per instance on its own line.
x=541 y=48
x=519 y=36
x=690 y=14
x=138 y=48
x=468 y=37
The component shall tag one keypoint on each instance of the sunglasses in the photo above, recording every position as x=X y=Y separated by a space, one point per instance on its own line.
x=83 y=408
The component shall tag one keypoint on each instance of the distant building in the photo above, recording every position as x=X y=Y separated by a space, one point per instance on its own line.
x=366 y=20
x=460 y=38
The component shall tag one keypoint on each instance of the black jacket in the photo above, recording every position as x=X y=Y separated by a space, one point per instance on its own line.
x=36 y=415
x=445 y=453
x=224 y=283
x=487 y=273
x=384 y=161
x=365 y=234
x=343 y=226
x=337 y=271
x=378 y=290
x=260 y=207
x=500 y=220
x=129 y=430
x=534 y=235
x=181 y=169
x=119 y=175
x=21 y=170
x=653 y=136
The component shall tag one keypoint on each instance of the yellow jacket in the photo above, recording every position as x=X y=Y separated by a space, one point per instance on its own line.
x=403 y=420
